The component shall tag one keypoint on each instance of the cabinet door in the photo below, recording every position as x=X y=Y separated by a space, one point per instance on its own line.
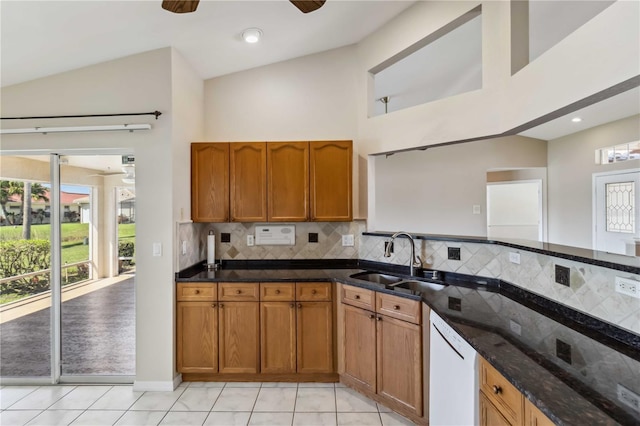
x=210 y=182
x=490 y=415
x=239 y=337
x=277 y=337
x=197 y=337
x=330 y=181
x=248 y=161
x=359 y=340
x=288 y=181
x=400 y=362
x=314 y=337
x=534 y=417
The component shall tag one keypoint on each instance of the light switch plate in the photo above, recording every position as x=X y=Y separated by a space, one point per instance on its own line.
x=157 y=249
x=476 y=209
x=184 y=248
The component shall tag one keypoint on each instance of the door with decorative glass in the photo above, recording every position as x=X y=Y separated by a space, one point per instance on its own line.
x=617 y=211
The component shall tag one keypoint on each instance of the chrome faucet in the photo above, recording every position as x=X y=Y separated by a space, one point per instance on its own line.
x=414 y=261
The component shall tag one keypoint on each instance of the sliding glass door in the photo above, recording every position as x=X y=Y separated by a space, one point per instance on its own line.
x=66 y=316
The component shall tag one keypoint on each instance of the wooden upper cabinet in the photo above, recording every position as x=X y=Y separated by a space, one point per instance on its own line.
x=288 y=181
x=210 y=182
x=247 y=162
x=330 y=181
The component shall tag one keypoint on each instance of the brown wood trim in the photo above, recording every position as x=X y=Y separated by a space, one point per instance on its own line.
x=249 y=377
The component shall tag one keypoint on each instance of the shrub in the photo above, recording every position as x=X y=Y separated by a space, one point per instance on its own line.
x=19 y=257
x=126 y=248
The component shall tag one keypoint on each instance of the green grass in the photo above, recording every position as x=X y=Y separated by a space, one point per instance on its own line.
x=73 y=235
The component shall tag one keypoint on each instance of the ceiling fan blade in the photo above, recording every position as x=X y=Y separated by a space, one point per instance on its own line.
x=307 y=6
x=180 y=6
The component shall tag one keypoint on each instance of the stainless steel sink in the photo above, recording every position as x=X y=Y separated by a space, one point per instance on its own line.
x=375 y=277
x=418 y=285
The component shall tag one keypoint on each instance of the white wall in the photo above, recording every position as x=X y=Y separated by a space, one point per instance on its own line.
x=434 y=191
x=571 y=164
x=308 y=98
x=138 y=83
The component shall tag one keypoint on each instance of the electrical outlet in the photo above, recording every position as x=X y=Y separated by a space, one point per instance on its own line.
x=386 y=243
x=514 y=257
x=515 y=327
x=347 y=240
x=628 y=286
x=184 y=248
x=563 y=351
x=251 y=240
x=453 y=253
x=628 y=397
x=563 y=275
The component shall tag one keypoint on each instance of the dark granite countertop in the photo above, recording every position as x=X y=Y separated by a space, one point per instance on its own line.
x=518 y=332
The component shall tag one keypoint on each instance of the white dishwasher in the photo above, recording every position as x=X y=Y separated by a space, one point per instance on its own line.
x=453 y=377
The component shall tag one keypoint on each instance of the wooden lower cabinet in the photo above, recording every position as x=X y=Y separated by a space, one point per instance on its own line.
x=239 y=337
x=382 y=357
x=197 y=337
x=399 y=362
x=490 y=415
x=278 y=337
x=359 y=335
x=534 y=417
x=502 y=404
x=314 y=322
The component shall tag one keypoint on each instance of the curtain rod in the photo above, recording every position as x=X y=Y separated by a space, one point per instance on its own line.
x=155 y=113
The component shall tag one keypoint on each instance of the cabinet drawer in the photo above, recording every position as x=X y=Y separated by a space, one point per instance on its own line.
x=507 y=399
x=192 y=292
x=360 y=297
x=398 y=307
x=313 y=292
x=277 y=292
x=239 y=292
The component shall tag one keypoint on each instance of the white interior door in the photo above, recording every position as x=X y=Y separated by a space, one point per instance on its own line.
x=617 y=198
x=514 y=210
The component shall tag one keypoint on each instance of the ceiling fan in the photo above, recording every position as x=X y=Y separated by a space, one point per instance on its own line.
x=188 y=6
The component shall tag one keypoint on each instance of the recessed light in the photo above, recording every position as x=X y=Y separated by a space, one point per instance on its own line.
x=252 y=35
x=576 y=119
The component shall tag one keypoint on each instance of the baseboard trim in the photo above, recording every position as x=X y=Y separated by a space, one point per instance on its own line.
x=157 y=386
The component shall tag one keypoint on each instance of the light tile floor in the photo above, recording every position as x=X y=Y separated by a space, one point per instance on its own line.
x=195 y=403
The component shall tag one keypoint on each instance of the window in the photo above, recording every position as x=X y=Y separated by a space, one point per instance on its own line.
x=618 y=153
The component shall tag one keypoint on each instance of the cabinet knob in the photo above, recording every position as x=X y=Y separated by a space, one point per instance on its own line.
x=238 y=291
x=357 y=296
x=396 y=307
x=314 y=291
x=299 y=305
x=291 y=305
x=379 y=318
x=277 y=291
x=222 y=305
x=497 y=389
x=197 y=291
x=372 y=316
x=213 y=305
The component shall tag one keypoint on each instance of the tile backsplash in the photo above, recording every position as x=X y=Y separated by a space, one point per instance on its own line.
x=591 y=289
x=329 y=245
